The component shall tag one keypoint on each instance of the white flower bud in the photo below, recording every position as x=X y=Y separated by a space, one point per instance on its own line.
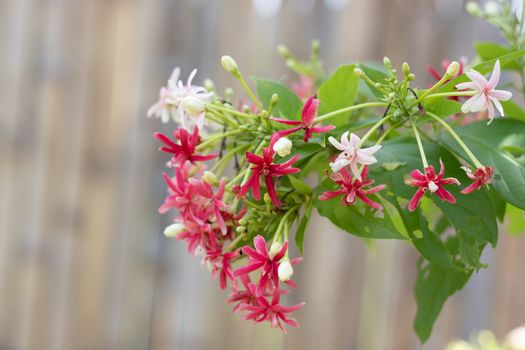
x=491 y=8
x=283 y=147
x=275 y=249
x=230 y=65
x=174 y=230
x=209 y=178
x=515 y=340
x=472 y=8
x=285 y=271
x=193 y=105
x=359 y=73
x=452 y=69
x=432 y=186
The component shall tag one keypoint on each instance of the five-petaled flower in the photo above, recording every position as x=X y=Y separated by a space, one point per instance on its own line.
x=185 y=151
x=353 y=188
x=486 y=96
x=352 y=154
x=307 y=122
x=272 y=311
x=264 y=166
x=480 y=177
x=429 y=181
x=267 y=261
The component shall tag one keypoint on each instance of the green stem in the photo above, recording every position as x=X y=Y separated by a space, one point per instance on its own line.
x=348 y=109
x=221 y=163
x=283 y=221
x=419 y=145
x=231 y=111
x=249 y=91
x=209 y=141
x=232 y=245
x=372 y=130
x=434 y=87
x=456 y=137
x=452 y=94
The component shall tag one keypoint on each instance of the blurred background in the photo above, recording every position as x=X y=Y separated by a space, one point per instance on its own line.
x=83 y=262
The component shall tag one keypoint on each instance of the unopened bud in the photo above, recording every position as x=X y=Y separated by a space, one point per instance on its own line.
x=290 y=63
x=274 y=99
x=193 y=105
x=243 y=221
x=283 y=147
x=452 y=69
x=285 y=271
x=359 y=73
x=491 y=8
x=283 y=51
x=275 y=249
x=208 y=85
x=228 y=93
x=240 y=229
x=230 y=65
x=316 y=45
x=209 y=178
x=406 y=68
x=473 y=8
x=387 y=63
x=174 y=230
x=411 y=76
x=267 y=199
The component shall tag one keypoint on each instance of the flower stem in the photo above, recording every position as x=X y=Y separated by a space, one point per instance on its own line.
x=443 y=80
x=451 y=94
x=283 y=222
x=348 y=109
x=231 y=111
x=209 y=141
x=232 y=245
x=419 y=144
x=249 y=91
x=456 y=137
x=372 y=130
x=221 y=163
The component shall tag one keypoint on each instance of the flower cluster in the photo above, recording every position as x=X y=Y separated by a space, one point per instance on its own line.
x=240 y=224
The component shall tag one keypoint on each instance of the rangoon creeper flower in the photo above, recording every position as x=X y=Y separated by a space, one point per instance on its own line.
x=480 y=177
x=285 y=271
x=283 y=147
x=184 y=103
x=487 y=96
x=352 y=155
x=429 y=181
x=185 y=151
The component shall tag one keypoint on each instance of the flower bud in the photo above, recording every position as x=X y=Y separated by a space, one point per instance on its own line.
x=283 y=51
x=230 y=65
x=285 y=271
x=274 y=99
x=228 y=93
x=515 y=340
x=283 y=147
x=209 y=178
x=473 y=8
x=359 y=73
x=193 y=105
x=406 y=68
x=208 y=85
x=275 y=249
x=240 y=229
x=452 y=69
x=491 y=8
x=174 y=230
x=387 y=63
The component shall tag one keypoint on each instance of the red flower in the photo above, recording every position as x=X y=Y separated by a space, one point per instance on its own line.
x=353 y=189
x=211 y=201
x=273 y=312
x=264 y=166
x=430 y=181
x=243 y=297
x=221 y=263
x=260 y=258
x=480 y=176
x=307 y=123
x=186 y=149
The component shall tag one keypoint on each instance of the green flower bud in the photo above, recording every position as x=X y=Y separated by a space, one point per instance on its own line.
x=452 y=69
x=209 y=178
x=174 y=230
x=473 y=8
x=230 y=65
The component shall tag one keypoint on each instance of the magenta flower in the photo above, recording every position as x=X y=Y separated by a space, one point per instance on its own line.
x=430 y=181
x=243 y=297
x=353 y=189
x=186 y=149
x=264 y=166
x=307 y=122
x=212 y=201
x=273 y=311
x=486 y=96
x=221 y=264
x=480 y=177
x=260 y=258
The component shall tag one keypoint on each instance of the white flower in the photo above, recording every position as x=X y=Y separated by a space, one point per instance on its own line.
x=515 y=340
x=486 y=97
x=174 y=230
x=184 y=103
x=352 y=154
x=285 y=271
x=491 y=8
x=283 y=147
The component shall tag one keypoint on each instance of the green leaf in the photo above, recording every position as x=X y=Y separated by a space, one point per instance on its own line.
x=356 y=219
x=338 y=91
x=288 y=106
x=375 y=75
x=434 y=285
x=489 y=50
x=443 y=107
x=300 y=186
x=488 y=145
x=515 y=219
x=303 y=224
x=513 y=110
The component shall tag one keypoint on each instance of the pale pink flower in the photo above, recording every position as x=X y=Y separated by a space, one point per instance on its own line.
x=486 y=96
x=352 y=154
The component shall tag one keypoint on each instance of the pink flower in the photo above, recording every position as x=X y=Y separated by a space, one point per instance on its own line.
x=273 y=311
x=210 y=200
x=352 y=154
x=307 y=123
x=480 y=177
x=163 y=109
x=260 y=258
x=430 y=181
x=243 y=297
x=185 y=151
x=486 y=97
x=264 y=166
x=304 y=87
x=221 y=263
x=353 y=189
